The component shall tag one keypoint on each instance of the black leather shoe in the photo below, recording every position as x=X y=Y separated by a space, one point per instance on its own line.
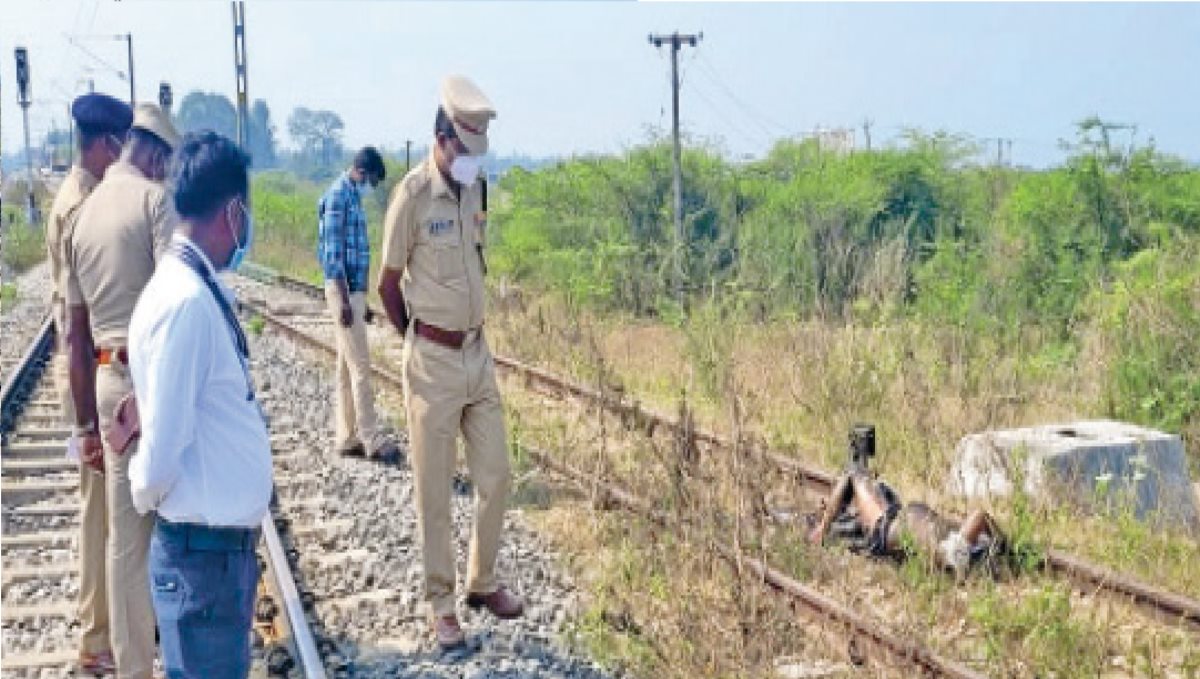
x=357 y=450
x=388 y=454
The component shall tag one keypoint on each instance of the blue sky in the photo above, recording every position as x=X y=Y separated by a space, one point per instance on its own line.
x=575 y=77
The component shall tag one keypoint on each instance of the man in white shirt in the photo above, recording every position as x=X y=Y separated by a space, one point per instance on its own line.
x=203 y=464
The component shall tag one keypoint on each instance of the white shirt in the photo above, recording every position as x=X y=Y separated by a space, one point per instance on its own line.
x=204 y=455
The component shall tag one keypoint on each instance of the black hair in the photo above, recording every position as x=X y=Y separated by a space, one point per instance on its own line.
x=207 y=171
x=369 y=161
x=443 y=125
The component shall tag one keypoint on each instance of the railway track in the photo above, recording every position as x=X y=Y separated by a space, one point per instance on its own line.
x=350 y=527
x=1083 y=574
x=40 y=537
x=867 y=637
x=21 y=316
x=340 y=593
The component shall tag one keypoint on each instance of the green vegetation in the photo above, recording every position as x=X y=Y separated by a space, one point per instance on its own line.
x=8 y=296
x=907 y=287
x=1042 y=627
x=255 y=325
x=285 y=219
x=1091 y=261
x=23 y=245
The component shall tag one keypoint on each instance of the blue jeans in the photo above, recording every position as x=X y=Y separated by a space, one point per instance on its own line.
x=203 y=581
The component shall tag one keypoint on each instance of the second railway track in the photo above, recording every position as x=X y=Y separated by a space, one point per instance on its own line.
x=1085 y=575
x=1177 y=612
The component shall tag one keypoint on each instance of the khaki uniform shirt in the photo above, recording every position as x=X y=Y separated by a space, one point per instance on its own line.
x=436 y=241
x=63 y=213
x=122 y=230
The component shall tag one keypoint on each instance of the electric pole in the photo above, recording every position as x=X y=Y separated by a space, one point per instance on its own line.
x=867 y=122
x=22 y=56
x=129 y=51
x=70 y=136
x=165 y=97
x=676 y=41
x=239 y=65
x=407 y=155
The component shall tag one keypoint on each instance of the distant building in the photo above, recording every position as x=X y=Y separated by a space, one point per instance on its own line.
x=837 y=140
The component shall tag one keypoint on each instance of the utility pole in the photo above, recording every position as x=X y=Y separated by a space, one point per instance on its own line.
x=129 y=50
x=239 y=66
x=70 y=136
x=165 y=97
x=22 y=56
x=407 y=155
x=867 y=122
x=676 y=41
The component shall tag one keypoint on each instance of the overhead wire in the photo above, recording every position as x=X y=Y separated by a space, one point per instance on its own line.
x=763 y=120
x=765 y=139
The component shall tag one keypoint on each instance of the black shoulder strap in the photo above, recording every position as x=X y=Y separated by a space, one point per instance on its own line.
x=189 y=257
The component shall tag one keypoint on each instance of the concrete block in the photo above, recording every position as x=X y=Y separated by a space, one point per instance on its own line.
x=1094 y=464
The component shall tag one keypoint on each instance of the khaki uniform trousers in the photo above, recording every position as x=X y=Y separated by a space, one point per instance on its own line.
x=93 y=534
x=447 y=391
x=131 y=614
x=355 y=419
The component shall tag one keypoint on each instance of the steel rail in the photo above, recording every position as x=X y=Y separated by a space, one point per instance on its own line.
x=28 y=368
x=1165 y=604
x=300 y=635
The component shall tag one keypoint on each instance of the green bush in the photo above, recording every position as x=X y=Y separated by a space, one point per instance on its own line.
x=1149 y=318
x=23 y=245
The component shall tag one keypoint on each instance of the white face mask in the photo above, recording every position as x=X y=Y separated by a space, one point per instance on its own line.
x=465 y=169
x=365 y=189
x=240 y=247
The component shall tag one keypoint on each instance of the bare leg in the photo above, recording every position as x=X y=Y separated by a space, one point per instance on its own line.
x=977 y=524
x=870 y=506
x=851 y=487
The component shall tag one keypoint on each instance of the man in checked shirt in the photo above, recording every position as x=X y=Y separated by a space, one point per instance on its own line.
x=344 y=251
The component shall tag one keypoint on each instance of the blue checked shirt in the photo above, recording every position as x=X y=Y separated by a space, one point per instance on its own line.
x=342 y=244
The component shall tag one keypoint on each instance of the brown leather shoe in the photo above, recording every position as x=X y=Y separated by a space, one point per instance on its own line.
x=448 y=632
x=502 y=603
x=96 y=664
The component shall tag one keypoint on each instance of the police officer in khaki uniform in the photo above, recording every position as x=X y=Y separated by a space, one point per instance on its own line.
x=122 y=230
x=432 y=289
x=102 y=123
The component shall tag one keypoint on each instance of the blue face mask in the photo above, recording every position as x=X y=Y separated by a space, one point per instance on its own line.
x=239 y=252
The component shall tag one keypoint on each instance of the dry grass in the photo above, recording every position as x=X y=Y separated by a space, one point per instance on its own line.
x=1026 y=626
x=663 y=604
x=800 y=386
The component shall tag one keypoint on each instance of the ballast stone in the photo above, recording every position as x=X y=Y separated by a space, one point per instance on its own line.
x=1096 y=464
